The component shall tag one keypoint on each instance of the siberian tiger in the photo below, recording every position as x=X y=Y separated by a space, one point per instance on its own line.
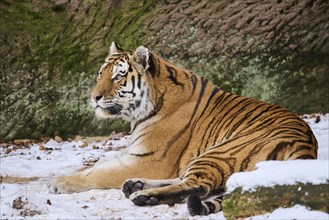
x=187 y=135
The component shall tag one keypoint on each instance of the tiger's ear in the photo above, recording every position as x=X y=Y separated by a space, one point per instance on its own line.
x=114 y=48
x=142 y=56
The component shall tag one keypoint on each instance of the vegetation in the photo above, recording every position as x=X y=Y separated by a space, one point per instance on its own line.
x=51 y=50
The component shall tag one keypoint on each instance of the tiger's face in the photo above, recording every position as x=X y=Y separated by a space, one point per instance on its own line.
x=123 y=86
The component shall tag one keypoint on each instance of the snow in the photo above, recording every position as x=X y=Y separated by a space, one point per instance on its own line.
x=271 y=173
x=27 y=170
x=295 y=212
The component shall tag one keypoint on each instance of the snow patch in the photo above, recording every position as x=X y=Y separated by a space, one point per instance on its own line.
x=271 y=173
x=295 y=212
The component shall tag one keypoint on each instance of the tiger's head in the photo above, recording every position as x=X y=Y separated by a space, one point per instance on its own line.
x=124 y=87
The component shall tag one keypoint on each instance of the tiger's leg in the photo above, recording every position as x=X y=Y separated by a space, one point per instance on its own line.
x=108 y=173
x=200 y=179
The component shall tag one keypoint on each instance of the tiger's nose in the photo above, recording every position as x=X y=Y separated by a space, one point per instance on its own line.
x=96 y=97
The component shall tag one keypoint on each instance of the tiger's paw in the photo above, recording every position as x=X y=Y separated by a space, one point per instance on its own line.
x=131 y=186
x=141 y=199
x=67 y=184
x=152 y=197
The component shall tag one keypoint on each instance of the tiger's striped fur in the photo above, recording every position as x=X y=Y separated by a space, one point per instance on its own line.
x=188 y=136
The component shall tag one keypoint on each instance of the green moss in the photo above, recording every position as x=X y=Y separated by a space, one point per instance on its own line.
x=239 y=204
x=128 y=20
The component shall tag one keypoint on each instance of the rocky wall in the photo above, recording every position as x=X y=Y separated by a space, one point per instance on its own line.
x=50 y=52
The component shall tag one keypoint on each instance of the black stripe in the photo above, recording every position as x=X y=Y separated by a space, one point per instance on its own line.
x=194 y=82
x=139 y=81
x=273 y=118
x=218 y=124
x=306 y=157
x=196 y=122
x=120 y=95
x=228 y=113
x=213 y=156
x=242 y=120
x=213 y=93
x=132 y=143
x=187 y=76
x=130 y=69
x=219 y=199
x=151 y=68
x=300 y=148
x=204 y=165
x=256 y=117
x=172 y=76
x=133 y=88
x=221 y=99
x=256 y=149
x=142 y=155
x=230 y=120
x=211 y=207
x=278 y=148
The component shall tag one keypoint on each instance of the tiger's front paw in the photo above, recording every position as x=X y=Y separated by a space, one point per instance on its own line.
x=156 y=196
x=131 y=186
x=68 y=184
x=141 y=198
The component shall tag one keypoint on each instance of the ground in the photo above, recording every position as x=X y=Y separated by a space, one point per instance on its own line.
x=27 y=167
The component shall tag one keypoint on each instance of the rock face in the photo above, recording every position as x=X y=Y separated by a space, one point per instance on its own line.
x=277 y=51
x=239 y=205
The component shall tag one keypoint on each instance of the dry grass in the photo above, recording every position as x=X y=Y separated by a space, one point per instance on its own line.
x=17 y=180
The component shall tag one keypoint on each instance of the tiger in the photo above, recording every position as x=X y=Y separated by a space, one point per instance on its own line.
x=187 y=135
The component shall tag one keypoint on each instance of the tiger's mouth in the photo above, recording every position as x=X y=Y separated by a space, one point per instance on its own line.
x=114 y=109
x=103 y=111
x=108 y=112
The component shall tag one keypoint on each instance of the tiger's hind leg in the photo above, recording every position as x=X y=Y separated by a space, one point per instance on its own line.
x=165 y=195
x=200 y=179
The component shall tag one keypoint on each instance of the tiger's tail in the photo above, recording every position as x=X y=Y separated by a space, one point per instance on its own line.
x=196 y=207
